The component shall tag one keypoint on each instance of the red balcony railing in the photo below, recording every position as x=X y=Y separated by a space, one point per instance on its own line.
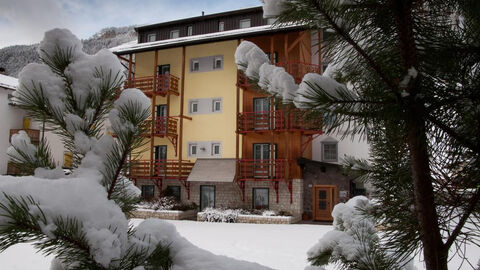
x=299 y=69
x=162 y=126
x=34 y=134
x=161 y=168
x=160 y=84
x=296 y=69
x=301 y=121
x=279 y=120
x=261 y=121
x=261 y=170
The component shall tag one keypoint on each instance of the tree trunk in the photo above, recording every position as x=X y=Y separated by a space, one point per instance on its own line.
x=434 y=251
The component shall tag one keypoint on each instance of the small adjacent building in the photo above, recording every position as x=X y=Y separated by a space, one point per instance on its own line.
x=15 y=119
x=214 y=138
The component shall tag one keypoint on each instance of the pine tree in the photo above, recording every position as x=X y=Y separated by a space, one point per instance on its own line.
x=407 y=77
x=81 y=220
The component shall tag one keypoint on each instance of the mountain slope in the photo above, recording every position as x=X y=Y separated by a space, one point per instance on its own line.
x=14 y=58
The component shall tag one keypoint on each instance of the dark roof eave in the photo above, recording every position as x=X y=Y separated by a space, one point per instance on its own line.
x=198 y=18
x=194 y=42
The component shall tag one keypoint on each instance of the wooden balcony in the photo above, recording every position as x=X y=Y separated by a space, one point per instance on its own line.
x=162 y=85
x=296 y=69
x=261 y=170
x=299 y=69
x=162 y=126
x=34 y=135
x=274 y=170
x=160 y=169
x=278 y=120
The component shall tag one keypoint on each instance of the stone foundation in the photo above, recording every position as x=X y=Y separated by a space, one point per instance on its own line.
x=262 y=219
x=165 y=214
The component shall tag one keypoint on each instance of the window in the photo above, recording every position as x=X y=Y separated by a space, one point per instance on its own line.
x=221 y=26
x=217 y=105
x=173 y=191
x=189 y=30
x=215 y=149
x=195 y=65
x=271 y=20
x=245 y=23
x=193 y=106
x=151 y=37
x=148 y=192
x=260 y=198
x=192 y=149
x=174 y=33
x=329 y=151
x=218 y=62
x=275 y=57
x=207 y=197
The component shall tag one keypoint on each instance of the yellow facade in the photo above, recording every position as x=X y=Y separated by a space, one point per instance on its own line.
x=218 y=127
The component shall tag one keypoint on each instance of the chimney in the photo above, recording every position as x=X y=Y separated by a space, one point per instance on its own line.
x=203 y=13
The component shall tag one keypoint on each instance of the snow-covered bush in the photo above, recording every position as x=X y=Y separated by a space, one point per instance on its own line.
x=354 y=241
x=220 y=215
x=81 y=218
x=167 y=203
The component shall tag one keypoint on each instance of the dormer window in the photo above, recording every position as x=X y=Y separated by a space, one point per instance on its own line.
x=151 y=37
x=246 y=23
x=189 y=30
x=221 y=26
x=175 y=33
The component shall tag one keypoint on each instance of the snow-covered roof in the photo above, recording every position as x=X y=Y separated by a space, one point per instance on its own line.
x=8 y=82
x=134 y=46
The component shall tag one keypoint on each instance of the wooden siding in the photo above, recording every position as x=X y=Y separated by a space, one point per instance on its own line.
x=204 y=26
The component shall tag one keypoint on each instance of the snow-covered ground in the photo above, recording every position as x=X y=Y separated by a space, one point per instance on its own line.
x=282 y=247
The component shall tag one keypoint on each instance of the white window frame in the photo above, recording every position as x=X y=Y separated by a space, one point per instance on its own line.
x=324 y=158
x=221 y=26
x=192 y=147
x=193 y=66
x=191 y=106
x=174 y=32
x=190 y=30
x=245 y=21
x=151 y=37
x=217 y=59
x=214 y=103
x=219 y=149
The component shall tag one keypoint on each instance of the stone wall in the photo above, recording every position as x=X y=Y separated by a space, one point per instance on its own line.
x=168 y=214
x=229 y=195
x=320 y=173
x=262 y=219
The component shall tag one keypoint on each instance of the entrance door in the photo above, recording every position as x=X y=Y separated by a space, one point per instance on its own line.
x=263 y=166
x=324 y=198
x=163 y=79
x=207 y=197
x=261 y=113
x=160 y=159
x=161 y=119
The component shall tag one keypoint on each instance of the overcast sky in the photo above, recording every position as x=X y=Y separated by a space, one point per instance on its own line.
x=25 y=21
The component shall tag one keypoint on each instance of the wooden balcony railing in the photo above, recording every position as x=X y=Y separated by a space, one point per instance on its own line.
x=162 y=126
x=34 y=134
x=261 y=170
x=296 y=69
x=278 y=120
x=160 y=84
x=161 y=168
x=299 y=69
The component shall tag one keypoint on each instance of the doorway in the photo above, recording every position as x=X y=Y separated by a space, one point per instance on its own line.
x=161 y=119
x=264 y=166
x=163 y=72
x=160 y=160
x=324 y=199
x=207 y=197
x=261 y=113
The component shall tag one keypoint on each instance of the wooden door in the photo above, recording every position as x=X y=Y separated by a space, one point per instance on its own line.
x=324 y=199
